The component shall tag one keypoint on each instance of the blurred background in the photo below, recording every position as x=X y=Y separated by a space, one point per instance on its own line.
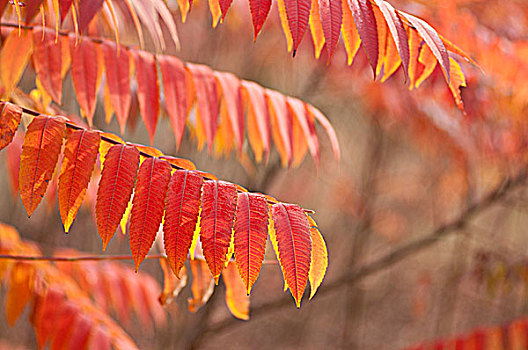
x=424 y=216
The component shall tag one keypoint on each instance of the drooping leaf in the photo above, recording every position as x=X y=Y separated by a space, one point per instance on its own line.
x=148 y=89
x=65 y=6
x=319 y=258
x=316 y=28
x=232 y=99
x=87 y=11
x=294 y=246
x=12 y=65
x=307 y=124
x=392 y=61
x=284 y=23
x=235 y=294
x=331 y=19
x=172 y=286
x=10 y=116
x=202 y=286
x=32 y=8
x=259 y=132
x=115 y=189
x=366 y=26
x=398 y=32
x=174 y=90
x=350 y=33
x=40 y=154
x=432 y=39
x=207 y=98
x=19 y=293
x=259 y=12
x=182 y=206
x=251 y=231
x=80 y=154
x=281 y=121
x=147 y=206
x=298 y=14
x=84 y=68
x=219 y=201
x=47 y=59
x=383 y=33
x=330 y=131
x=457 y=80
x=414 y=50
x=117 y=70
x=428 y=60
x=224 y=6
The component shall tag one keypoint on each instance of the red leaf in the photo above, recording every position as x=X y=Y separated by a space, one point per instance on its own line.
x=398 y=32
x=251 y=232
x=47 y=59
x=294 y=246
x=224 y=6
x=32 y=8
x=331 y=19
x=259 y=11
x=40 y=154
x=82 y=327
x=148 y=89
x=10 y=116
x=218 y=212
x=84 y=68
x=315 y=113
x=366 y=26
x=64 y=8
x=117 y=65
x=298 y=14
x=181 y=214
x=258 y=120
x=115 y=189
x=206 y=95
x=87 y=11
x=232 y=98
x=80 y=154
x=147 y=206
x=432 y=39
x=174 y=90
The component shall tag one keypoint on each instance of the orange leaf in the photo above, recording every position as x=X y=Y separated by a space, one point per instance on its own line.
x=172 y=286
x=84 y=68
x=10 y=116
x=319 y=260
x=350 y=33
x=174 y=90
x=258 y=120
x=294 y=246
x=382 y=29
x=307 y=125
x=147 y=206
x=202 y=286
x=117 y=66
x=284 y=23
x=432 y=39
x=251 y=231
x=181 y=214
x=14 y=58
x=40 y=154
x=148 y=89
x=414 y=49
x=316 y=28
x=20 y=291
x=80 y=154
x=47 y=59
x=429 y=61
x=232 y=100
x=235 y=295
x=115 y=189
x=281 y=121
x=219 y=201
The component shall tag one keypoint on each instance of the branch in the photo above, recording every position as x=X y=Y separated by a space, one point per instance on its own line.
x=395 y=256
x=74 y=258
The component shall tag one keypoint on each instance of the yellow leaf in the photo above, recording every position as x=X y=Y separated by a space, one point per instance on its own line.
x=319 y=261
x=285 y=25
x=350 y=33
x=214 y=7
x=202 y=286
x=316 y=28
